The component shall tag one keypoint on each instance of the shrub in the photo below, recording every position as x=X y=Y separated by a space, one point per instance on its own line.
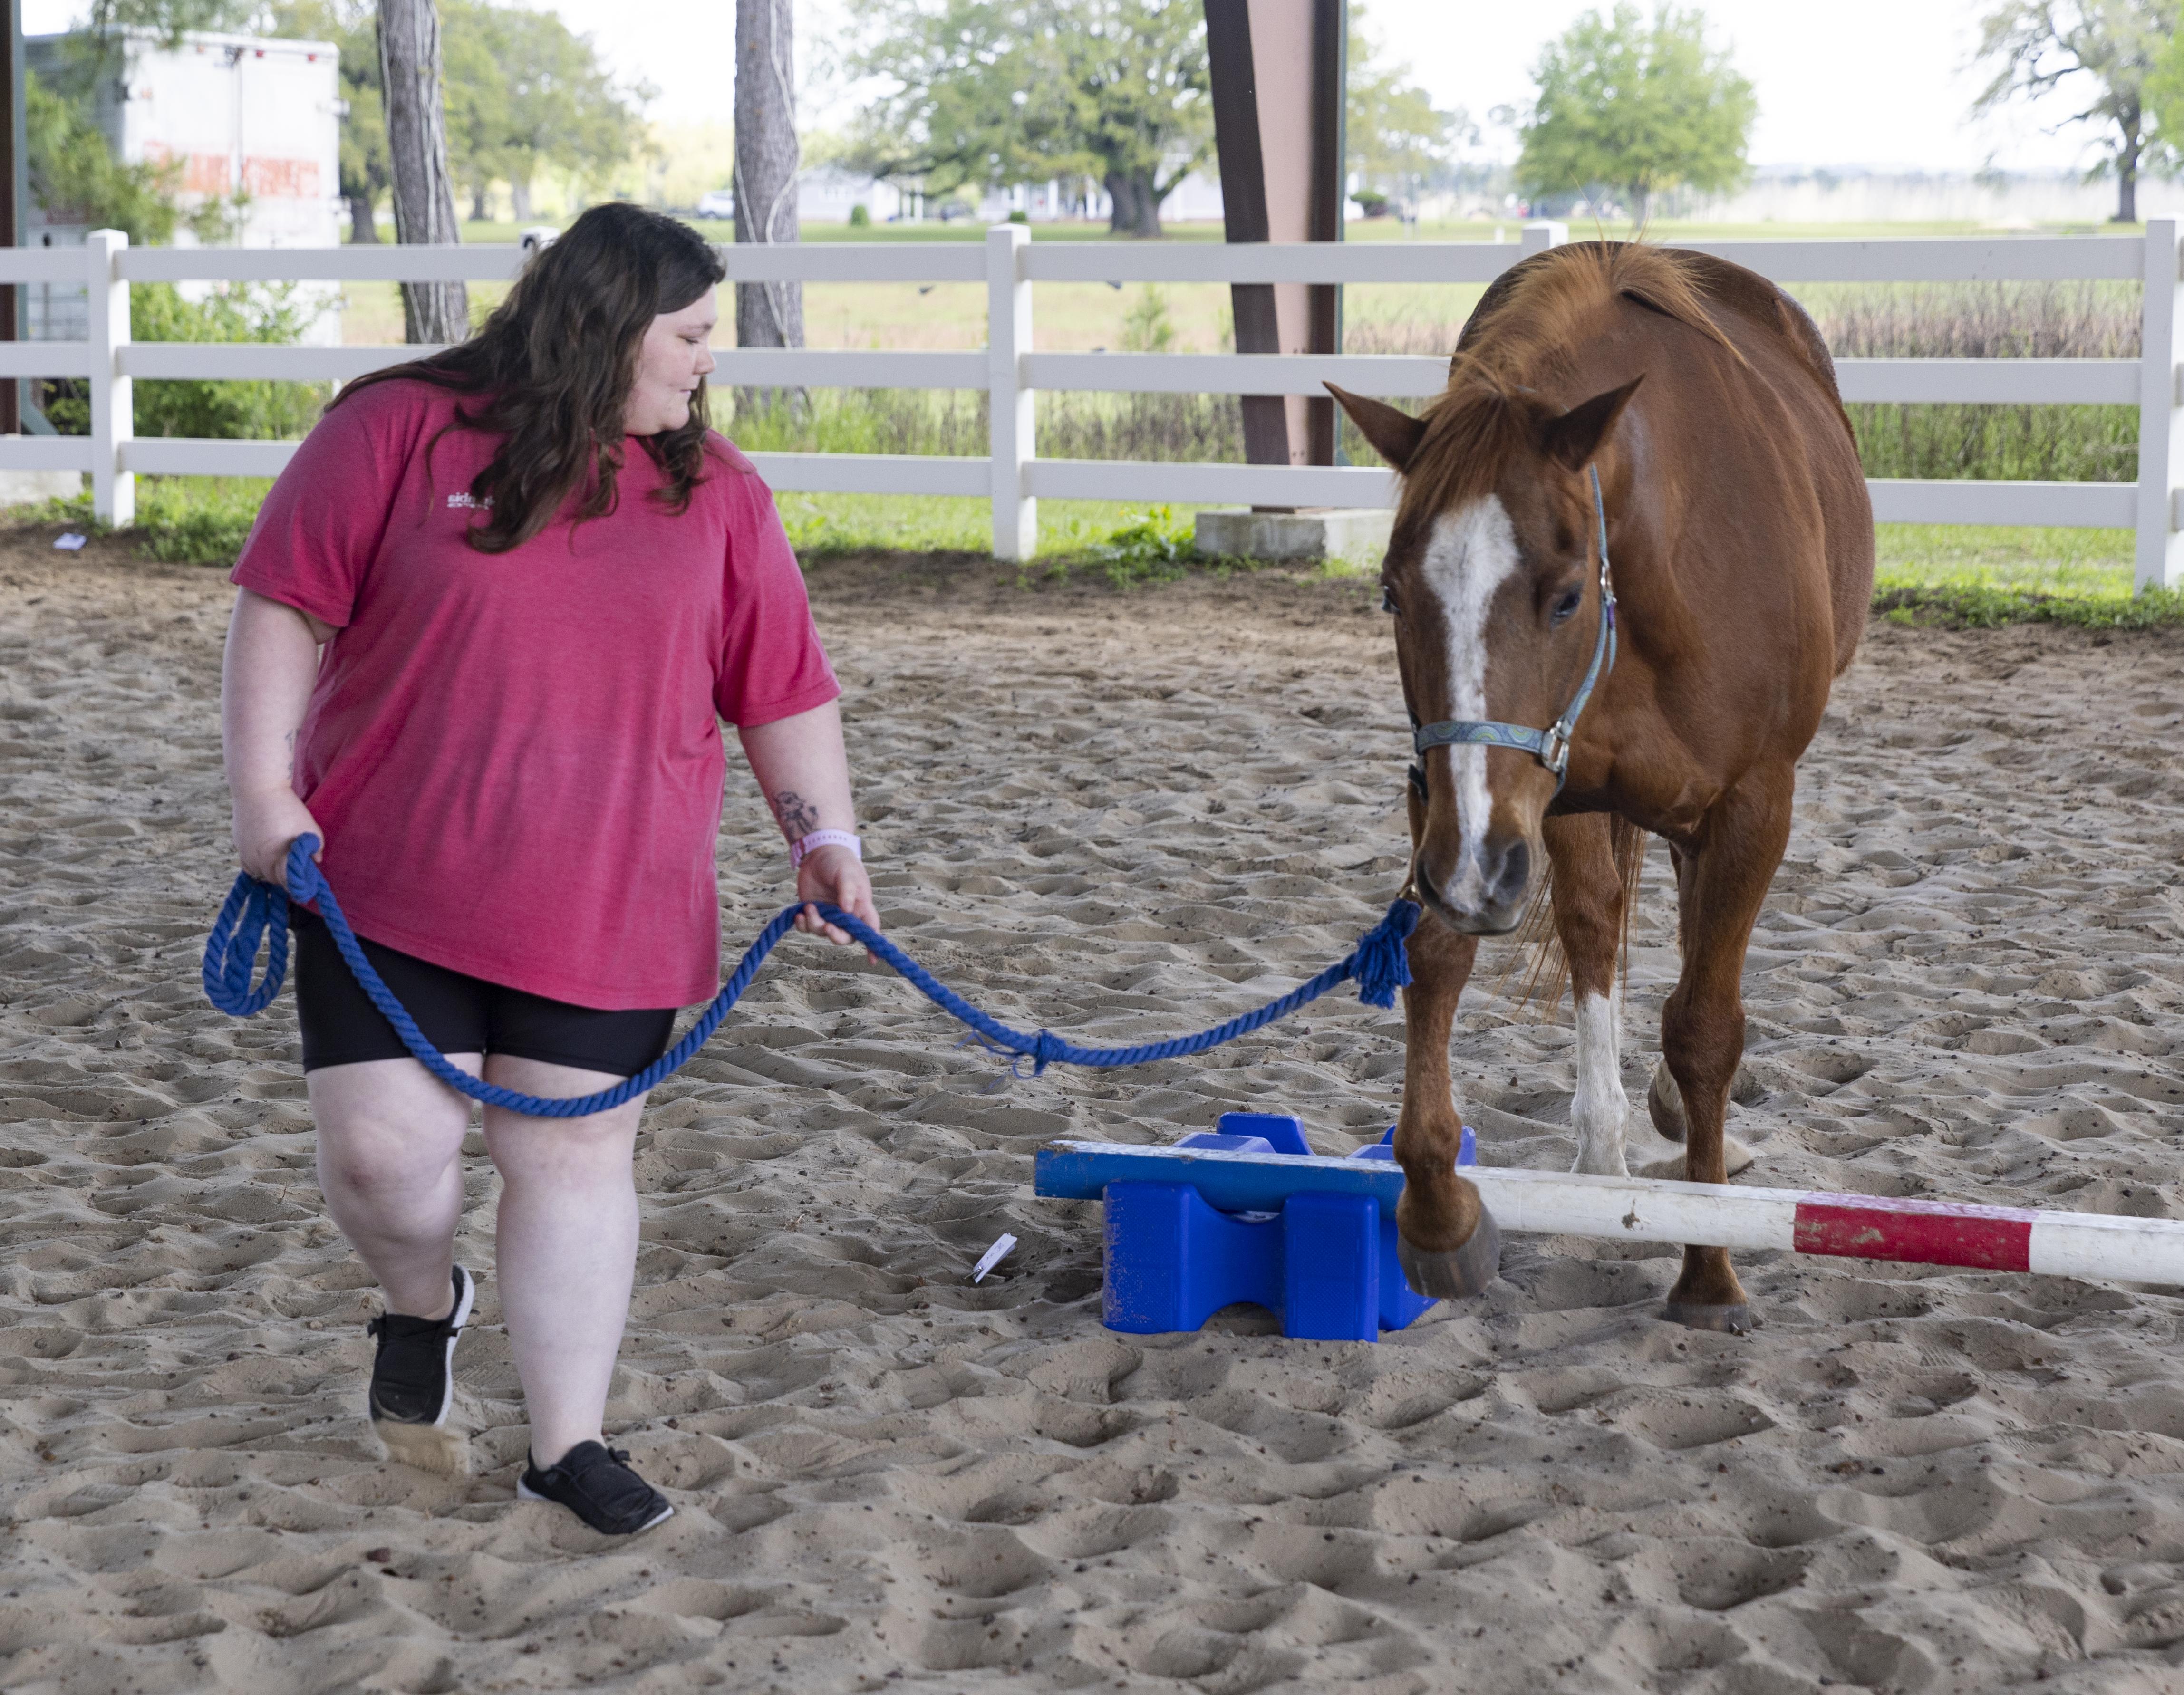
x=860 y=216
x=256 y=313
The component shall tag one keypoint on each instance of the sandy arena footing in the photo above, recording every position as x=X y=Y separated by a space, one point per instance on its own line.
x=1121 y=816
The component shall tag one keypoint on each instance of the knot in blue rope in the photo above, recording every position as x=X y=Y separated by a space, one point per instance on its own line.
x=1382 y=962
x=1045 y=1048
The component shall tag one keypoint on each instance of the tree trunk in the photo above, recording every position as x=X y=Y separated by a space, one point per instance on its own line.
x=1133 y=201
x=518 y=194
x=768 y=314
x=417 y=143
x=2127 y=156
x=481 y=204
x=363 y=226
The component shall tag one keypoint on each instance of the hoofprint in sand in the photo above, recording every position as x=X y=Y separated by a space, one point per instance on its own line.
x=1120 y=815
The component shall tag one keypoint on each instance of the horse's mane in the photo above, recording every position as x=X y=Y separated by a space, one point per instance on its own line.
x=1525 y=334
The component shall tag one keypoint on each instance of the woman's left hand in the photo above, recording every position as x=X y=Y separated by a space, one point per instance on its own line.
x=836 y=875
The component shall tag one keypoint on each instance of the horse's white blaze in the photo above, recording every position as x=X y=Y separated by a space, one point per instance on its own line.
x=1598 y=1109
x=1471 y=552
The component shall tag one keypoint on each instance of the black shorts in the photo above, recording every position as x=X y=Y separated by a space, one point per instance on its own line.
x=458 y=1014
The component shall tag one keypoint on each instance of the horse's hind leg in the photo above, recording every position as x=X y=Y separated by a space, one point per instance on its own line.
x=1588 y=898
x=1723 y=879
x=1664 y=1101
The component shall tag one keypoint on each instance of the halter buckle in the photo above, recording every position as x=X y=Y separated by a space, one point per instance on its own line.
x=1555 y=751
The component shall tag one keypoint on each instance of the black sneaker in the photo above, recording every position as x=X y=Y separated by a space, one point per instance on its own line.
x=593 y=1482
x=413 y=1383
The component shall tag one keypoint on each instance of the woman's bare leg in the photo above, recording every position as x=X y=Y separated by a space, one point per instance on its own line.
x=390 y=1165
x=567 y=1248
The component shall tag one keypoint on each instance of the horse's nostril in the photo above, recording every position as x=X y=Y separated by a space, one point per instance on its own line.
x=1515 y=873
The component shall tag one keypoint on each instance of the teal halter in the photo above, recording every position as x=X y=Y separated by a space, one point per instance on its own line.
x=1551 y=747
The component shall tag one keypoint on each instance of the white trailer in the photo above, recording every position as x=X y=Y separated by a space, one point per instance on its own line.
x=254 y=121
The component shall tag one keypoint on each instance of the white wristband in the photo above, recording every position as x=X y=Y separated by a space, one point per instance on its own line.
x=823 y=838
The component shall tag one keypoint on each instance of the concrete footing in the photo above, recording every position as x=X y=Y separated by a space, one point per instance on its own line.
x=21 y=488
x=1354 y=536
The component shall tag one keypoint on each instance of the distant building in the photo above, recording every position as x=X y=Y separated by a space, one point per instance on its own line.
x=241 y=116
x=1819 y=194
x=827 y=194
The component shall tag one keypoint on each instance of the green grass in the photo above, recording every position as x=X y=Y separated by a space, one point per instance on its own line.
x=184 y=521
x=1974 y=576
x=822 y=524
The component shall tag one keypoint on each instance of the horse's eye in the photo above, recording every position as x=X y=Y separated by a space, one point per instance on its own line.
x=1566 y=607
x=1387 y=599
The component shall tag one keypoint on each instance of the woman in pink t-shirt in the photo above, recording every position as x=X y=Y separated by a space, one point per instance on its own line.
x=490 y=621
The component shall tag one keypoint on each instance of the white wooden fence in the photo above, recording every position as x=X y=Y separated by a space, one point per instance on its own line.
x=1013 y=475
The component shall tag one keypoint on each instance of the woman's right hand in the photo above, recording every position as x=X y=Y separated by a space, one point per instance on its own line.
x=265 y=826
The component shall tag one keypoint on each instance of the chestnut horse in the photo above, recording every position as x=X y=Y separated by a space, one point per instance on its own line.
x=1678 y=415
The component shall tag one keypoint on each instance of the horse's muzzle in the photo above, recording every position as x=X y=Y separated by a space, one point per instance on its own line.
x=1486 y=896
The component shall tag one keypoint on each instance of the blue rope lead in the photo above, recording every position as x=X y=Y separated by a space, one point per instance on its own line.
x=256 y=911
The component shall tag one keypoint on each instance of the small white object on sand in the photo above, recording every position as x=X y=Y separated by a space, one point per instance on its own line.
x=993 y=1257
x=70 y=541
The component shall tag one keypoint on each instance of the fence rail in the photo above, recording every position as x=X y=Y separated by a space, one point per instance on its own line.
x=1013 y=477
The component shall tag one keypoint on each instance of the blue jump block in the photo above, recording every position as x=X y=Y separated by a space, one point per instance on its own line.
x=1323 y=1262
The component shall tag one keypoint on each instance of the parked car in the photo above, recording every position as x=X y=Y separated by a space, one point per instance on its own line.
x=717 y=202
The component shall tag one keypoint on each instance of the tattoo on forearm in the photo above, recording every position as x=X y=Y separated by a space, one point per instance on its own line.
x=797 y=817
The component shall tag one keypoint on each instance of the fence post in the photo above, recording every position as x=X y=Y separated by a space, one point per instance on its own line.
x=2160 y=551
x=113 y=407
x=1010 y=411
x=1546 y=232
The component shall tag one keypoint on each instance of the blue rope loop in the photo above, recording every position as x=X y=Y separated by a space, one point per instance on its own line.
x=254 y=911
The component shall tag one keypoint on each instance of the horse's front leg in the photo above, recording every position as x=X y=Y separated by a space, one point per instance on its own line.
x=1589 y=897
x=1446 y=1238
x=1723 y=883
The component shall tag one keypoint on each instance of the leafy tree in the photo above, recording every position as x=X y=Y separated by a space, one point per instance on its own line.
x=1397 y=137
x=170 y=18
x=987 y=92
x=1635 y=106
x=2112 y=49
x=529 y=94
x=521 y=93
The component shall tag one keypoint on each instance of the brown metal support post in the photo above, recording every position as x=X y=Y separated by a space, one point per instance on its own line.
x=1273 y=62
x=1330 y=79
x=14 y=178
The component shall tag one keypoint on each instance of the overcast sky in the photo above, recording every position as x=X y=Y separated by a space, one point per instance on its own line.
x=1874 y=83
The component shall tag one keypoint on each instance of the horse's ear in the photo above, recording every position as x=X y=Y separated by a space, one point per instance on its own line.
x=1393 y=434
x=1575 y=437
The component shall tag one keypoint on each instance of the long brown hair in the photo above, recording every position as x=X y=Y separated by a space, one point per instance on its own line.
x=553 y=367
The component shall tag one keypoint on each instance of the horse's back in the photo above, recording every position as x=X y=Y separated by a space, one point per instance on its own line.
x=1783 y=348
x=1768 y=317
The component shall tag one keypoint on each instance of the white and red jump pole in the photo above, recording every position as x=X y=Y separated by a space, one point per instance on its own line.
x=1845 y=1227
x=2095 y=1245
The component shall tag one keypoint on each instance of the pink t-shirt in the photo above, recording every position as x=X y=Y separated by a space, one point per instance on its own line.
x=516 y=757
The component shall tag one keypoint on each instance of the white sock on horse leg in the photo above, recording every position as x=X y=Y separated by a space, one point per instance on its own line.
x=1600 y=1108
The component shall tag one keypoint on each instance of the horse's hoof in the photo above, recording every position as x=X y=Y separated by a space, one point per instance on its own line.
x=1735 y=1320
x=1459 y=1272
x=1664 y=1104
x=1735 y=1157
